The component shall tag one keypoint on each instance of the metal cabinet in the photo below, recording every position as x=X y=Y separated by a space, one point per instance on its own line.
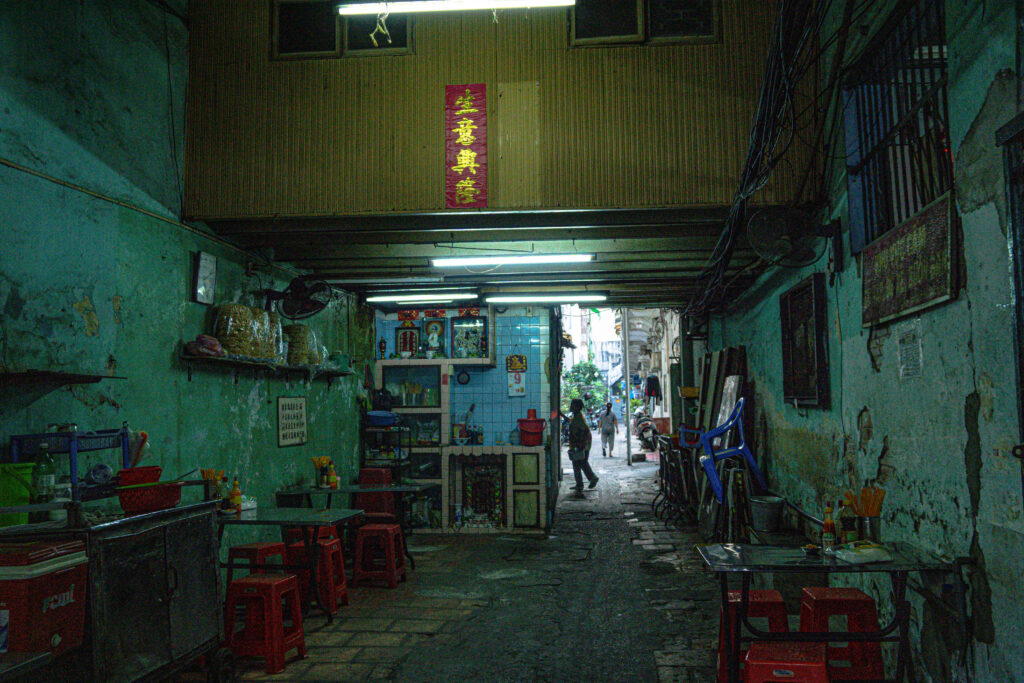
x=154 y=598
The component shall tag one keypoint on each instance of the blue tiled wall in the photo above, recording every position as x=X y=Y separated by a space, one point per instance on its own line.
x=495 y=411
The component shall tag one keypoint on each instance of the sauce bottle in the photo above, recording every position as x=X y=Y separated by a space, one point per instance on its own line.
x=235 y=499
x=828 y=530
x=332 y=476
x=847 y=524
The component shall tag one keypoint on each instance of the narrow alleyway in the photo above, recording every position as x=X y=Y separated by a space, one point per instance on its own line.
x=610 y=595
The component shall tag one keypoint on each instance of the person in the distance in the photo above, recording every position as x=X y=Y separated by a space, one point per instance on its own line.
x=579 y=445
x=609 y=425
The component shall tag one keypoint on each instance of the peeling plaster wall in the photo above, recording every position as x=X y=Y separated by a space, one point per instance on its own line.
x=939 y=443
x=87 y=285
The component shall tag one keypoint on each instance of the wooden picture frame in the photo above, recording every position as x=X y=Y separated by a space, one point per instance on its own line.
x=204 y=278
x=469 y=337
x=291 y=421
x=433 y=326
x=805 y=367
x=407 y=339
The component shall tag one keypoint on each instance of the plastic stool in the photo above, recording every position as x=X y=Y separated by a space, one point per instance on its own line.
x=861 y=660
x=330 y=575
x=324 y=533
x=761 y=603
x=789 y=662
x=255 y=553
x=380 y=554
x=264 y=633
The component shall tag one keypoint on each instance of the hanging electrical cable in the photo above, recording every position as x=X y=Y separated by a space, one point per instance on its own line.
x=791 y=56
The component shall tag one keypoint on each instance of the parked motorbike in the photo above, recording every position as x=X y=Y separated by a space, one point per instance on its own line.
x=646 y=432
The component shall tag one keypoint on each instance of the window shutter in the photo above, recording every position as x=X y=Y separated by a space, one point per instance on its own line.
x=854 y=181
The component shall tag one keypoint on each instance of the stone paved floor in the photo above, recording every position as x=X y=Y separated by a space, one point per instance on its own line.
x=610 y=595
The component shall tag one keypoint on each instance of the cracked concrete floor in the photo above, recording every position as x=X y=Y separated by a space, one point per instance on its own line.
x=610 y=595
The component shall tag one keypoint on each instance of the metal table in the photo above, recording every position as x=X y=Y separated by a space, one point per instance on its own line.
x=15 y=664
x=400 y=490
x=729 y=558
x=309 y=521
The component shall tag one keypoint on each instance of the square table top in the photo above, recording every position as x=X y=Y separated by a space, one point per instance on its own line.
x=741 y=557
x=290 y=517
x=354 y=488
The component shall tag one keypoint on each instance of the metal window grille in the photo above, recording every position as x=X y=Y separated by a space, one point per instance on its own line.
x=900 y=99
x=1011 y=137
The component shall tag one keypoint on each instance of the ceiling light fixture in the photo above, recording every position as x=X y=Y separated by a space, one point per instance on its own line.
x=413 y=296
x=353 y=8
x=530 y=259
x=411 y=280
x=545 y=298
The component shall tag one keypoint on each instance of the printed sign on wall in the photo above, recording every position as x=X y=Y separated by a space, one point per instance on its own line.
x=291 y=421
x=465 y=118
x=517 y=384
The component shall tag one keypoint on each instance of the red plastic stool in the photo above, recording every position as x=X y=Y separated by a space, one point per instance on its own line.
x=255 y=553
x=380 y=554
x=324 y=533
x=761 y=604
x=264 y=633
x=789 y=662
x=330 y=574
x=860 y=660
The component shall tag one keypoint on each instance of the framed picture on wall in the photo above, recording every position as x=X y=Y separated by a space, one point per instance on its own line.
x=469 y=337
x=407 y=340
x=434 y=337
x=805 y=374
x=291 y=421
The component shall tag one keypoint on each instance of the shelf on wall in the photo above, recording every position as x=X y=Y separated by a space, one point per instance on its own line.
x=313 y=371
x=51 y=377
x=20 y=389
x=483 y=362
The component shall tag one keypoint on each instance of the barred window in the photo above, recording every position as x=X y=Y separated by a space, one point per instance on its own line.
x=897 y=122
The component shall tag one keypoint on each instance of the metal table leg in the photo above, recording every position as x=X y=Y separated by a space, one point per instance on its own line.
x=309 y=538
x=730 y=633
x=899 y=589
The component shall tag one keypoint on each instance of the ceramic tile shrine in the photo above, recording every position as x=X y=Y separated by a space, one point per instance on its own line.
x=467 y=429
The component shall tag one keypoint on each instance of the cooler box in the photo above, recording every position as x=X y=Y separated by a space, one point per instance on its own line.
x=42 y=595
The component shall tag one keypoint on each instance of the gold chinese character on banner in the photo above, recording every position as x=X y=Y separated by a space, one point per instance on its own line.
x=465 y=104
x=465 y=130
x=466 y=159
x=466 y=191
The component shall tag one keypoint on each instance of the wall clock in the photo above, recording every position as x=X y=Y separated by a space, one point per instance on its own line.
x=204 y=286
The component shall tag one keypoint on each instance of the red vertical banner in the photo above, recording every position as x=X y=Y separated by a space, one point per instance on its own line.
x=465 y=147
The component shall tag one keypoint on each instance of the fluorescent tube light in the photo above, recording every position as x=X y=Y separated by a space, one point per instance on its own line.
x=413 y=296
x=530 y=259
x=545 y=298
x=353 y=8
x=414 y=302
x=411 y=280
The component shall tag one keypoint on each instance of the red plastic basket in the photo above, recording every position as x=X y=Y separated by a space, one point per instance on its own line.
x=150 y=474
x=150 y=498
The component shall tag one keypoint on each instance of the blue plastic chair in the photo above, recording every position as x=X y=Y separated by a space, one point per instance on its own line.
x=712 y=457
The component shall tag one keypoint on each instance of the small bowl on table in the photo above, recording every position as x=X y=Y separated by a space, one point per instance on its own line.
x=811 y=550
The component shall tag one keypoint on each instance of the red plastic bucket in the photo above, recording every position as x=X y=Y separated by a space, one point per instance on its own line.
x=531 y=431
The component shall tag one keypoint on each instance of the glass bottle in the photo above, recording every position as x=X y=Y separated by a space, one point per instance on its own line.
x=847 y=524
x=44 y=475
x=828 y=530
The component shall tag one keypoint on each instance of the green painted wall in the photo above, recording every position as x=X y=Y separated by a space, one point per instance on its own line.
x=89 y=285
x=940 y=444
